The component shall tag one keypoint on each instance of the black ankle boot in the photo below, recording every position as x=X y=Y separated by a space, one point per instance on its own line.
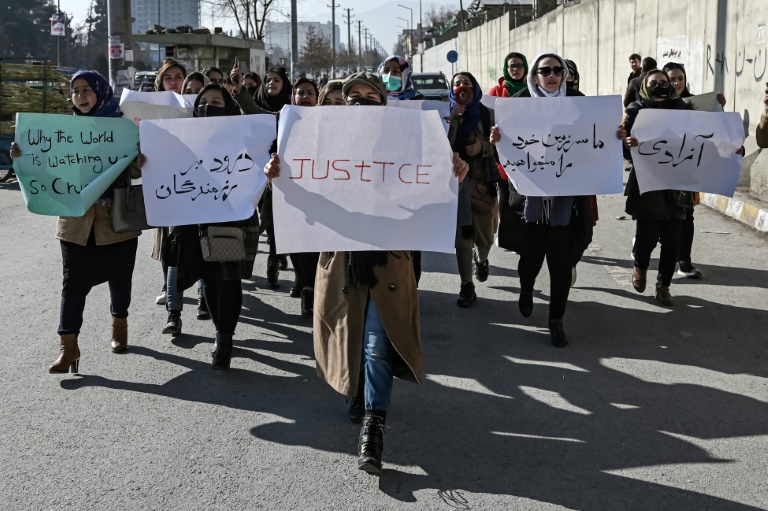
x=371 y=442
x=307 y=302
x=273 y=271
x=222 y=355
x=356 y=410
x=525 y=303
x=467 y=295
x=557 y=333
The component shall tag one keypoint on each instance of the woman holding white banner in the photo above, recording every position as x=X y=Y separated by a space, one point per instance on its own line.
x=470 y=124
x=553 y=228
x=658 y=214
x=91 y=251
x=274 y=93
x=367 y=311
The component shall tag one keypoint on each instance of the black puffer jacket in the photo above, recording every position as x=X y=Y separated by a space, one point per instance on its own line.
x=658 y=204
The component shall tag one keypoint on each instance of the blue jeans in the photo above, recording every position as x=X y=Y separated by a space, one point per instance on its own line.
x=175 y=297
x=378 y=355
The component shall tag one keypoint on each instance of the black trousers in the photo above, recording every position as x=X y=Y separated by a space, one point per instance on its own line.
x=555 y=245
x=686 y=237
x=223 y=295
x=87 y=266
x=305 y=268
x=650 y=232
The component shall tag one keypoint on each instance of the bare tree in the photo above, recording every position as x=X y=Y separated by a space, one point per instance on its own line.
x=250 y=15
x=438 y=15
x=400 y=47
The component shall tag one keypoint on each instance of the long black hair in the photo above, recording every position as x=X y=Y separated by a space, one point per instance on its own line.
x=230 y=105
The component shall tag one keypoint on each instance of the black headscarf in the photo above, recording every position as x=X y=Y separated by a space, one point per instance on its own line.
x=275 y=103
x=230 y=105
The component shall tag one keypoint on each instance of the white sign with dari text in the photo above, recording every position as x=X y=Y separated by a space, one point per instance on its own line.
x=561 y=146
x=363 y=178
x=204 y=170
x=687 y=150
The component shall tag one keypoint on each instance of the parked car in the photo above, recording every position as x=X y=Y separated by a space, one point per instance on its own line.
x=144 y=80
x=431 y=85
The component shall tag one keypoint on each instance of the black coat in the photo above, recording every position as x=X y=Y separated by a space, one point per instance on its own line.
x=513 y=230
x=658 y=204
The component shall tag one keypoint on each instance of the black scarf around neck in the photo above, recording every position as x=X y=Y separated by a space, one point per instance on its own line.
x=360 y=267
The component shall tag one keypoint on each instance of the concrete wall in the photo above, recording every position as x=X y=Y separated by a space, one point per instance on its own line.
x=599 y=35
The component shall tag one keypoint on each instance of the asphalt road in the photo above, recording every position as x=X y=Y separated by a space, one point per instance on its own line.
x=649 y=408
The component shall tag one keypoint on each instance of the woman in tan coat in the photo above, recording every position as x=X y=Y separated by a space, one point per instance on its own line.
x=367 y=312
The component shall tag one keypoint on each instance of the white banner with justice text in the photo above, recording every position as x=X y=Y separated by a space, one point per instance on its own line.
x=363 y=178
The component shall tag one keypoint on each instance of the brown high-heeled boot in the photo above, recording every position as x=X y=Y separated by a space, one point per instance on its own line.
x=69 y=355
x=119 y=335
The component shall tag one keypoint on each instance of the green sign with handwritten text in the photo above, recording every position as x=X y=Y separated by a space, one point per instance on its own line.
x=67 y=162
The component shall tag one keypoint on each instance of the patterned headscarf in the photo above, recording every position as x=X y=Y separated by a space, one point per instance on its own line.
x=406 y=88
x=107 y=104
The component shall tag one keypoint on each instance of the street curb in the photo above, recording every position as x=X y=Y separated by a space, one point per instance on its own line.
x=746 y=213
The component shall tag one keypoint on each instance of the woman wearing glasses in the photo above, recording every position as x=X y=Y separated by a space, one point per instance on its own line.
x=513 y=81
x=658 y=214
x=552 y=228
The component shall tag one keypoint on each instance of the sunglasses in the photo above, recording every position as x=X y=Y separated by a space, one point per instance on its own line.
x=664 y=84
x=516 y=66
x=546 y=71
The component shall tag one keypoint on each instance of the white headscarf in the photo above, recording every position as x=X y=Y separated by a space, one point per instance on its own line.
x=539 y=92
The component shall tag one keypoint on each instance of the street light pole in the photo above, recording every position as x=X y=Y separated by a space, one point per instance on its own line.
x=421 y=40
x=407 y=28
x=410 y=35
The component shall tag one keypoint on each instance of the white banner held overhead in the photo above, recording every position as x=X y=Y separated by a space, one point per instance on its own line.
x=363 y=185
x=137 y=105
x=442 y=107
x=687 y=150
x=204 y=170
x=561 y=146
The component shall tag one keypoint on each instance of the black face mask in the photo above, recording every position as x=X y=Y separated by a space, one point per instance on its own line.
x=362 y=101
x=210 y=111
x=252 y=90
x=656 y=91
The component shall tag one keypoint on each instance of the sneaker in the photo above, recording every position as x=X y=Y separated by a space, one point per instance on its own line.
x=162 y=298
x=173 y=326
x=573 y=276
x=481 y=269
x=688 y=270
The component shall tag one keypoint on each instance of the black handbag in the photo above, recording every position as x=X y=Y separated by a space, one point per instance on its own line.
x=128 y=212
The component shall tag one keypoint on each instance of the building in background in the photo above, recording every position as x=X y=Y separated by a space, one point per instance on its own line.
x=168 y=13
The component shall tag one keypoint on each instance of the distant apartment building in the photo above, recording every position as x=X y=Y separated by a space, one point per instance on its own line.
x=278 y=35
x=168 y=13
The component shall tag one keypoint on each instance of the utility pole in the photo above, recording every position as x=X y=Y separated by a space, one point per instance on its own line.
x=333 y=38
x=365 y=59
x=421 y=40
x=359 y=46
x=118 y=32
x=349 y=41
x=461 y=15
x=294 y=39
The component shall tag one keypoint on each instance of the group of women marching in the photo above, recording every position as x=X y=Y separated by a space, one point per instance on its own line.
x=365 y=305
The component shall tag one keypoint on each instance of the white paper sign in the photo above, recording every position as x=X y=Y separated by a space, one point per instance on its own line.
x=204 y=170
x=442 y=107
x=489 y=101
x=687 y=150
x=705 y=102
x=362 y=185
x=165 y=98
x=561 y=146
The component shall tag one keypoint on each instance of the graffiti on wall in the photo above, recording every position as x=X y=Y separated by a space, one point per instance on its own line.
x=749 y=61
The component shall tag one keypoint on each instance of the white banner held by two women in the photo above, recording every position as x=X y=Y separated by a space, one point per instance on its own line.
x=687 y=150
x=561 y=146
x=363 y=178
x=204 y=170
x=137 y=105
